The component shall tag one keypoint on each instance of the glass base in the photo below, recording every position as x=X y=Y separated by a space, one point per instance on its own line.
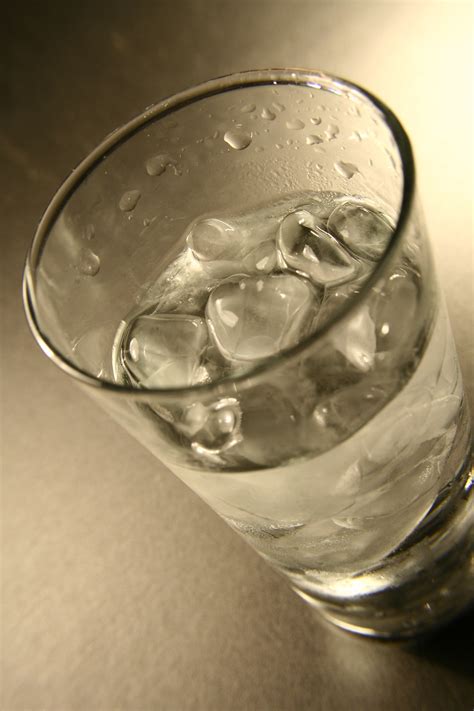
x=428 y=583
x=392 y=623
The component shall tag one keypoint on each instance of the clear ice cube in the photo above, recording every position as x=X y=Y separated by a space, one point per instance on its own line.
x=363 y=230
x=262 y=259
x=213 y=428
x=213 y=239
x=251 y=318
x=165 y=350
x=308 y=249
x=270 y=426
x=355 y=338
x=395 y=313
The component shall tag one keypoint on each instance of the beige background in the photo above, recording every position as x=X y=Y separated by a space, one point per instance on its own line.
x=120 y=589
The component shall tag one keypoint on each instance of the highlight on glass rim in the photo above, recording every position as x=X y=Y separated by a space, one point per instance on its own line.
x=242 y=278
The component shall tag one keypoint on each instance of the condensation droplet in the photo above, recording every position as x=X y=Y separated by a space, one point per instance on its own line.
x=347 y=170
x=89 y=263
x=259 y=149
x=237 y=139
x=279 y=146
x=370 y=162
x=267 y=114
x=158 y=164
x=248 y=108
x=128 y=201
x=315 y=120
x=332 y=131
x=89 y=232
x=312 y=140
x=295 y=125
x=278 y=107
x=358 y=136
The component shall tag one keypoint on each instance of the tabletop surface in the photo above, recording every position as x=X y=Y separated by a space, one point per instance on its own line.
x=121 y=589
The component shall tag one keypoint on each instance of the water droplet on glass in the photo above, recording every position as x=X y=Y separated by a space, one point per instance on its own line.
x=248 y=108
x=347 y=170
x=267 y=114
x=332 y=131
x=237 y=139
x=278 y=107
x=295 y=125
x=158 y=164
x=89 y=264
x=358 y=136
x=89 y=232
x=315 y=120
x=129 y=200
x=259 y=149
x=312 y=140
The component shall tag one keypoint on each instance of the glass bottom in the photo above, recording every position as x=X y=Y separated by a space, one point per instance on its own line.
x=429 y=582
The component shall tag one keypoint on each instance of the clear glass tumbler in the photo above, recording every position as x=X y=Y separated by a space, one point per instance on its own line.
x=241 y=277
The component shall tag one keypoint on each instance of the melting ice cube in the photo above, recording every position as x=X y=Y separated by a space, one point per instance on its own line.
x=365 y=231
x=308 y=249
x=396 y=310
x=355 y=336
x=255 y=317
x=213 y=428
x=213 y=240
x=165 y=350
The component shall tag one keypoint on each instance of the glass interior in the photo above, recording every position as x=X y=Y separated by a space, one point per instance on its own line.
x=223 y=149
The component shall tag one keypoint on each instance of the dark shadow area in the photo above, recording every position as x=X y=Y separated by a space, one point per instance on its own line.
x=451 y=646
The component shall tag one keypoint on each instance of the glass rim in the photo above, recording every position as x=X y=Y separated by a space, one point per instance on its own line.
x=311 y=79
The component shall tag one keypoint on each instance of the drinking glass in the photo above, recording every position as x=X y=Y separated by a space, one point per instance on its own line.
x=341 y=454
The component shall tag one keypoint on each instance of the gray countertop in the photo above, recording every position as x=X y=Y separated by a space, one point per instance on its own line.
x=121 y=589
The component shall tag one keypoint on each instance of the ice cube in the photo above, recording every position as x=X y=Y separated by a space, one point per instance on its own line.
x=251 y=318
x=165 y=350
x=363 y=230
x=395 y=312
x=270 y=427
x=262 y=259
x=393 y=511
x=341 y=413
x=308 y=249
x=355 y=338
x=213 y=428
x=213 y=239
